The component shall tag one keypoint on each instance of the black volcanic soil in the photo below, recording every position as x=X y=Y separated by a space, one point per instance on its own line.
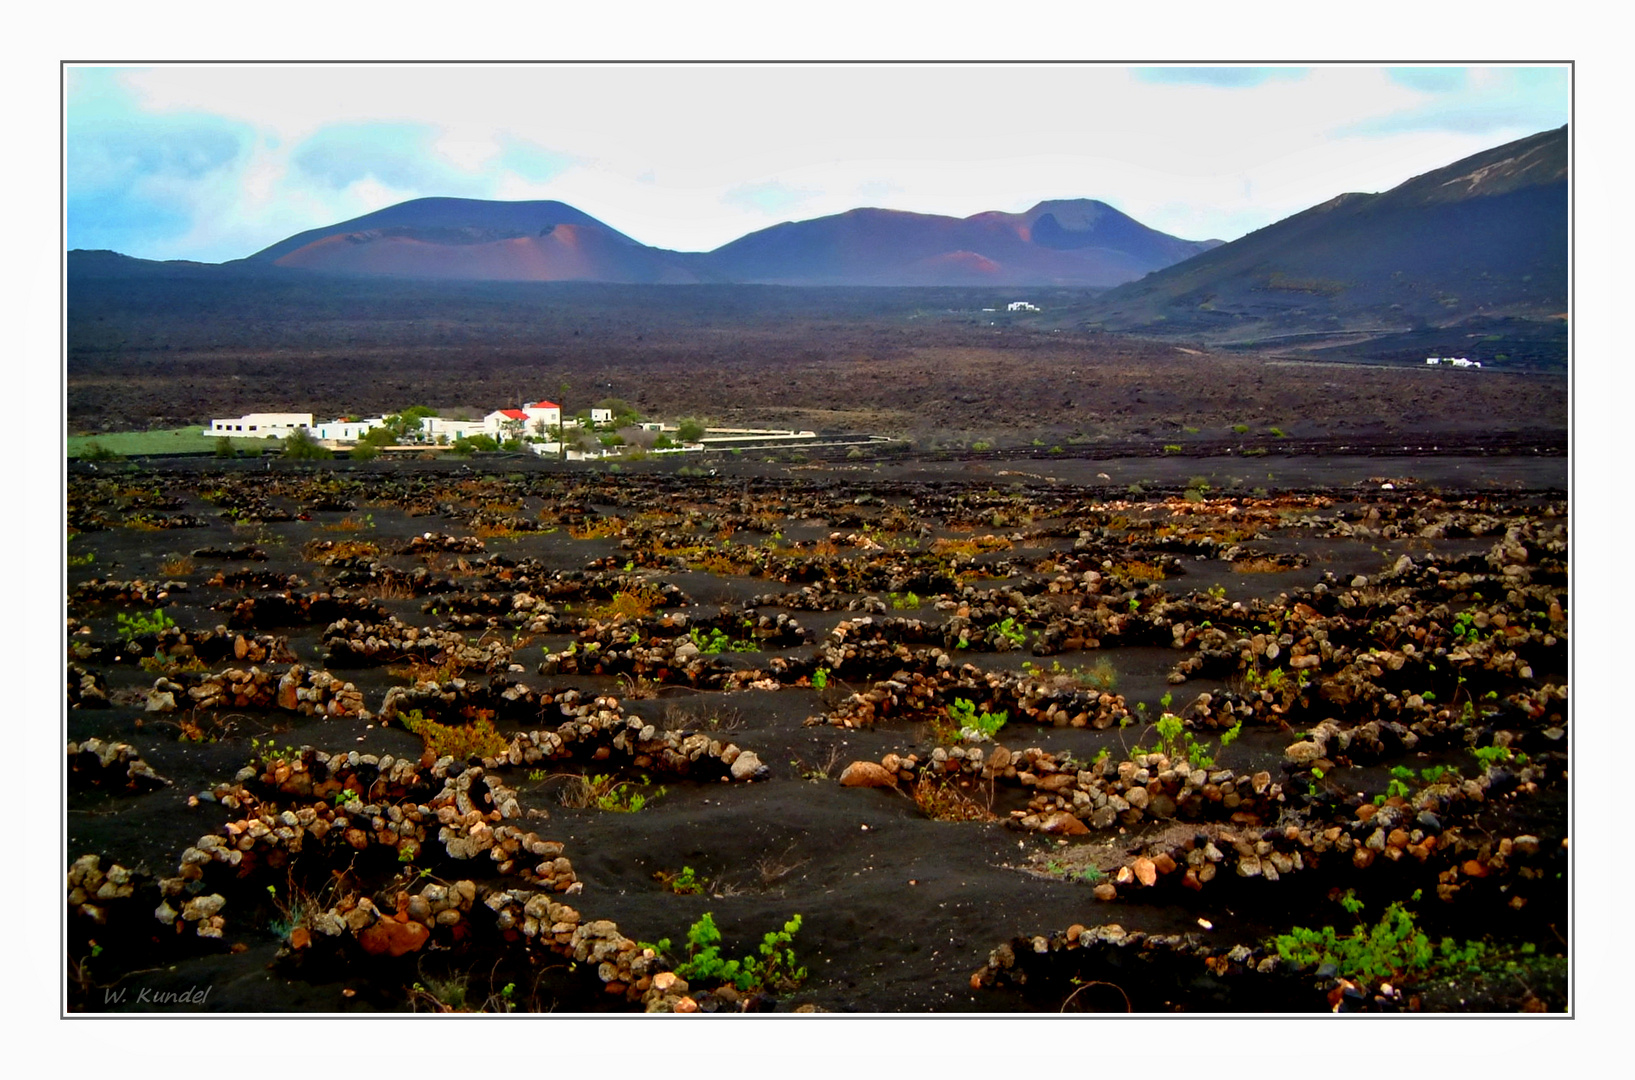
x=1205 y=578
x=172 y=348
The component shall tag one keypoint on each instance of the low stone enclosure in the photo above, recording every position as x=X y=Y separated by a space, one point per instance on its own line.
x=431 y=726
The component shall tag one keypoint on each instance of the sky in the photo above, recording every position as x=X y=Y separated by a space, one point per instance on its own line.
x=212 y=162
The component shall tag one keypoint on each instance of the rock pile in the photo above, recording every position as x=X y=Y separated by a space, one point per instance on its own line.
x=96 y=763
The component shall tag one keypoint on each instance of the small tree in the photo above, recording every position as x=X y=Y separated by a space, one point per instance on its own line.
x=224 y=447
x=690 y=430
x=301 y=446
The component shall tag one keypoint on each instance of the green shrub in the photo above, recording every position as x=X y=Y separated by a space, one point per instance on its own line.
x=134 y=626
x=95 y=451
x=974 y=724
x=1390 y=949
x=773 y=966
x=301 y=446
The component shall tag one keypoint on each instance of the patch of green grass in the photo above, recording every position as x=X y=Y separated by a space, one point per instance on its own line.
x=188 y=440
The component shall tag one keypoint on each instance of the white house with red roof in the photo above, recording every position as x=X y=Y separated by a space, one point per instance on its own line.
x=536 y=418
x=505 y=424
x=548 y=411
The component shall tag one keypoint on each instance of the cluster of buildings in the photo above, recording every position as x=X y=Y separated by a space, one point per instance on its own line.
x=538 y=426
x=1455 y=361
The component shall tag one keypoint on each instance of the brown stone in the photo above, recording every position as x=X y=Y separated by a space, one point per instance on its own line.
x=1062 y=823
x=392 y=938
x=1106 y=892
x=866 y=774
x=1145 y=871
x=1164 y=863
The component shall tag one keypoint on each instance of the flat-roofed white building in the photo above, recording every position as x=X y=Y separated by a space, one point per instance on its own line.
x=346 y=431
x=435 y=428
x=268 y=425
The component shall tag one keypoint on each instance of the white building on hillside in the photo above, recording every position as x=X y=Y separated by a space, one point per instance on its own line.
x=346 y=431
x=535 y=419
x=435 y=428
x=548 y=411
x=505 y=424
x=270 y=425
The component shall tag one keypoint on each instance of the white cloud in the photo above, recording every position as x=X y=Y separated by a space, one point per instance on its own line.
x=690 y=157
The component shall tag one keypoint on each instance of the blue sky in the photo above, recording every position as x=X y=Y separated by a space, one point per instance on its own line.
x=215 y=162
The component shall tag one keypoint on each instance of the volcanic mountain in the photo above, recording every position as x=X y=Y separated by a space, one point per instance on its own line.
x=480 y=240
x=1075 y=242
x=1065 y=242
x=1444 y=257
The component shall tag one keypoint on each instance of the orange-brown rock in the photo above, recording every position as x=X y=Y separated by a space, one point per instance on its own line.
x=388 y=937
x=866 y=774
x=1145 y=871
x=1061 y=823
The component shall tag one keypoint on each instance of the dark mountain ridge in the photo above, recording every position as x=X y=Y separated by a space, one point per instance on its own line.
x=1079 y=241
x=1484 y=238
x=1076 y=242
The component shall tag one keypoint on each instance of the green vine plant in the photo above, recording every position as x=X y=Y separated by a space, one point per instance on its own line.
x=1012 y=632
x=974 y=725
x=683 y=882
x=717 y=641
x=772 y=966
x=134 y=626
x=1393 y=948
x=1176 y=742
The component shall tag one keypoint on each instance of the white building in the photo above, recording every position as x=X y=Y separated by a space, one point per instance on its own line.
x=535 y=419
x=548 y=411
x=269 y=425
x=601 y=416
x=1018 y=305
x=436 y=428
x=504 y=424
x=346 y=431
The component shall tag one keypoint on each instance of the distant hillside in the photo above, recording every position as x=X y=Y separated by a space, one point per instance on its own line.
x=479 y=240
x=1069 y=242
x=1481 y=242
x=1081 y=243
